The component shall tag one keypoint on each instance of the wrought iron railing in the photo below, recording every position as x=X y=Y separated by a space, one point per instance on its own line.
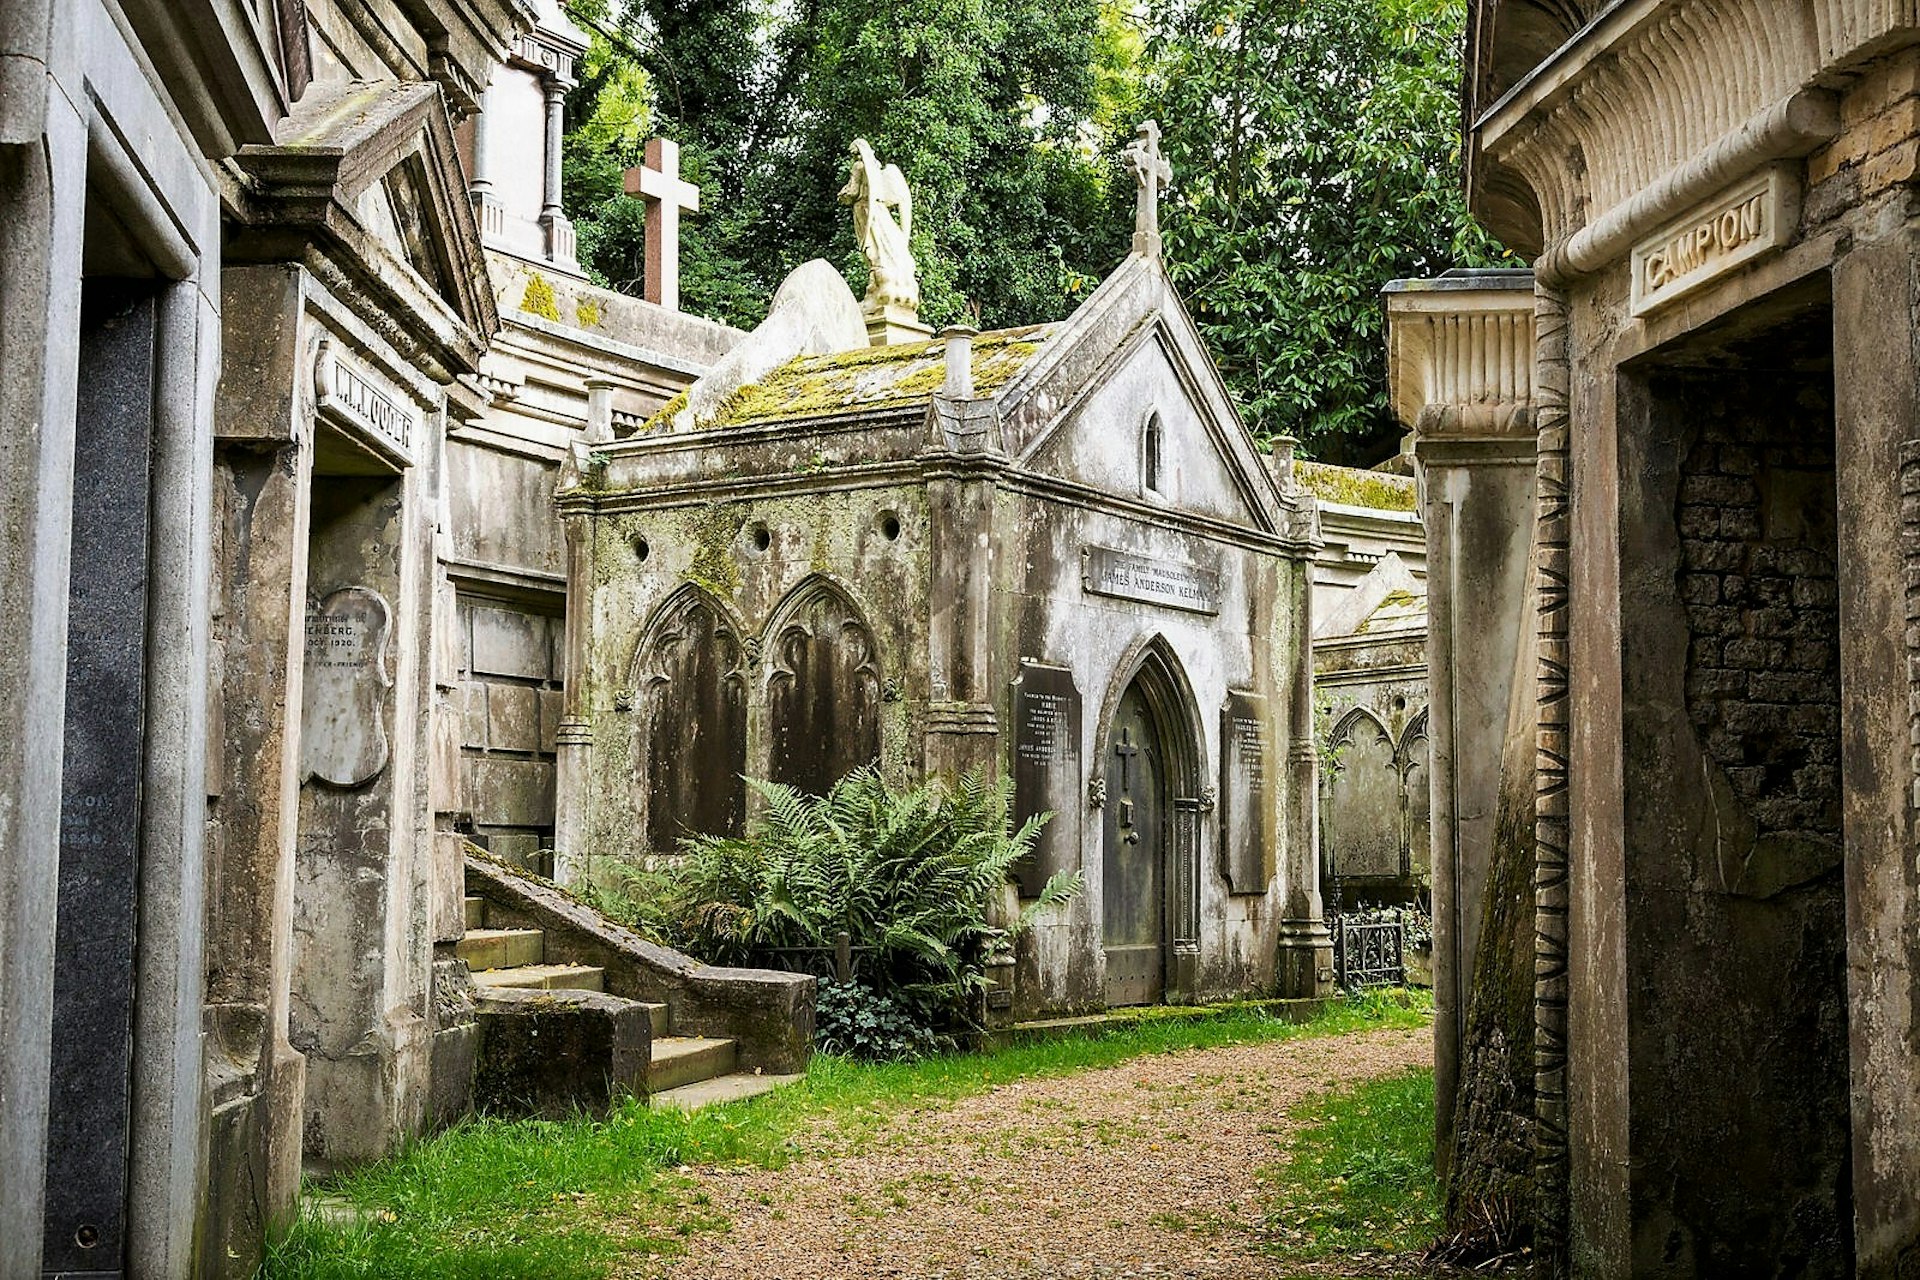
x=1368 y=952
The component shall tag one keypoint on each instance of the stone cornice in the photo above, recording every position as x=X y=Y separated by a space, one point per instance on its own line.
x=1460 y=355
x=1659 y=103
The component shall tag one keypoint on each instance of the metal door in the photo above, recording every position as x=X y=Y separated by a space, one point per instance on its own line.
x=1134 y=900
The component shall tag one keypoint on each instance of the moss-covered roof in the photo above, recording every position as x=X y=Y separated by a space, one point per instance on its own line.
x=1353 y=487
x=869 y=378
x=1402 y=610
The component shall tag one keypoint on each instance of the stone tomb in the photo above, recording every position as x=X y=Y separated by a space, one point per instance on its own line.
x=1051 y=553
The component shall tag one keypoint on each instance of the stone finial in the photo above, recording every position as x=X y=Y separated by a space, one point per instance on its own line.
x=959 y=339
x=599 y=410
x=657 y=182
x=1150 y=172
x=883 y=226
x=1460 y=355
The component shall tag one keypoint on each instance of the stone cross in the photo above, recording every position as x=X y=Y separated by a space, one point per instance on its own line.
x=657 y=181
x=1150 y=172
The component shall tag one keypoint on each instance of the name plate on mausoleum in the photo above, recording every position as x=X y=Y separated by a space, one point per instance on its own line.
x=1752 y=219
x=349 y=394
x=1126 y=576
x=1046 y=769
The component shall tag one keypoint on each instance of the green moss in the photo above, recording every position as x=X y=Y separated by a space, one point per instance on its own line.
x=871 y=378
x=713 y=532
x=1400 y=599
x=663 y=416
x=1355 y=488
x=539 y=298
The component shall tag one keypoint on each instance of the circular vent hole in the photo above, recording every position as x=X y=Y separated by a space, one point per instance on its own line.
x=761 y=536
x=890 y=526
x=642 y=549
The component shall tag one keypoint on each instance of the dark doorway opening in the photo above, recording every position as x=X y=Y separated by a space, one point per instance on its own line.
x=1735 y=928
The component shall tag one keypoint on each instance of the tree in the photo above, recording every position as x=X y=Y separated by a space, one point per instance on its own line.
x=988 y=106
x=1316 y=154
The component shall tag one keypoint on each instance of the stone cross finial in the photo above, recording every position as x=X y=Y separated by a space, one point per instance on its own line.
x=1150 y=172
x=657 y=181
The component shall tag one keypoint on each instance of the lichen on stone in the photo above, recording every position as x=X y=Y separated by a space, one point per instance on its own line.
x=712 y=534
x=870 y=378
x=586 y=312
x=1353 y=487
x=539 y=299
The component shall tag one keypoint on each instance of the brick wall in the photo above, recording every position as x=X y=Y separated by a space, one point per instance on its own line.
x=1755 y=516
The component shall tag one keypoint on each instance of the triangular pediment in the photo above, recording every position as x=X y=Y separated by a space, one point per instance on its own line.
x=370 y=173
x=1127 y=402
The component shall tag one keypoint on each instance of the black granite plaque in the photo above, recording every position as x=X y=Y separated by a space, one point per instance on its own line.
x=1247 y=817
x=1046 y=769
x=89 y=1099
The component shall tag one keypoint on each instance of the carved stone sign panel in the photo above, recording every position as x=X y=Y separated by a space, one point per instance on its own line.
x=1247 y=828
x=343 y=721
x=1709 y=241
x=349 y=395
x=1046 y=769
x=1126 y=576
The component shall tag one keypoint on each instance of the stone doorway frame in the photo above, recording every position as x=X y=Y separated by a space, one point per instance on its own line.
x=1163 y=682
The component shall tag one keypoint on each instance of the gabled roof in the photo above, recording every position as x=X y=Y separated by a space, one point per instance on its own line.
x=366 y=176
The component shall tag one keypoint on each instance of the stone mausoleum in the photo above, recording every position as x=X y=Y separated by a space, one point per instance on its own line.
x=1682 y=457
x=1052 y=552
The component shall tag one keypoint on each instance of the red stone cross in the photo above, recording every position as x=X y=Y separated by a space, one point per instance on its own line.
x=657 y=181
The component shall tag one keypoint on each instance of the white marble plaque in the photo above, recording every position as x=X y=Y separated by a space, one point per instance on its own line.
x=343 y=721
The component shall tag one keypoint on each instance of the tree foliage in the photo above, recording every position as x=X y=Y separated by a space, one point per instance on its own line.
x=1316 y=153
x=1315 y=146
x=987 y=106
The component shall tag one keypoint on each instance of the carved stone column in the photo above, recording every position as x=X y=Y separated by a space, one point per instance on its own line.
x=1460 y=369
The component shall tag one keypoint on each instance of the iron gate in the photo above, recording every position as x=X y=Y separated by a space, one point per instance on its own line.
x=1368 y=952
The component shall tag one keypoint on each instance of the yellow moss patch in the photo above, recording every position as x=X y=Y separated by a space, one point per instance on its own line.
x=1353 y=487
x=587 y=313
x=539 y=298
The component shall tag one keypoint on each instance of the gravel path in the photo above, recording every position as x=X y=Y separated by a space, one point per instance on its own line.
x=1145 y=1169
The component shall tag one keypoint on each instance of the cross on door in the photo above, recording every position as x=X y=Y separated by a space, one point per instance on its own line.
x=657 y=182
x=1126 y=751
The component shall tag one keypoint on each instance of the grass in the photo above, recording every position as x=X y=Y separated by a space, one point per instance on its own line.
x=1358 y=1179
x=560 y=1200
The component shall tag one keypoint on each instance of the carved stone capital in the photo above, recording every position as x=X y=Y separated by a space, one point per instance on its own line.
x=1460 y=355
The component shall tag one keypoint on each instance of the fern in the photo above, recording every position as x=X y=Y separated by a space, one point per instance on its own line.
x=913 y=875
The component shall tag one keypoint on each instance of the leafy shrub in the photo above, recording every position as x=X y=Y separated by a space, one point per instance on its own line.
x=854 y=1019
x=911 y=875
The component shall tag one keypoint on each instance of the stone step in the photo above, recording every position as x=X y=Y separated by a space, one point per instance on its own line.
x=656 y=1018
x=501 y=948
x=551 y=977
x=476 y=913
x=706 y=1093
x=682 y=1060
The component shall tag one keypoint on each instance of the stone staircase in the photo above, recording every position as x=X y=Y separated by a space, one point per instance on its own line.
x=553 y=1037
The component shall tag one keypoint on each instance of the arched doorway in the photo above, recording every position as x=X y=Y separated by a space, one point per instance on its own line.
x=1149 y=881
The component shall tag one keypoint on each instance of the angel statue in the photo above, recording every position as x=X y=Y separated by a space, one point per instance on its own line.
x=876 y=193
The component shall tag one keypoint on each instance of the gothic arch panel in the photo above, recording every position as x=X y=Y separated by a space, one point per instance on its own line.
x=1362 y=824
x=690 y=736
x=823 y=689
x=1415 y=768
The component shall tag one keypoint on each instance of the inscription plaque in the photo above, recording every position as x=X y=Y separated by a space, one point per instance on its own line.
x=1743 y=223
x=350 y=396
x=343 y=724
x=1247 y=817
x=1126 y=576
x=1046 y=769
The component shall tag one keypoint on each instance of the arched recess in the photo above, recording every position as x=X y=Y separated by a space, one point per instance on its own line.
x=823 y=688
x=1417 y=784
x=690 y=734
x=1153 y=455
x=1153 y=668
x=1363 y=826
